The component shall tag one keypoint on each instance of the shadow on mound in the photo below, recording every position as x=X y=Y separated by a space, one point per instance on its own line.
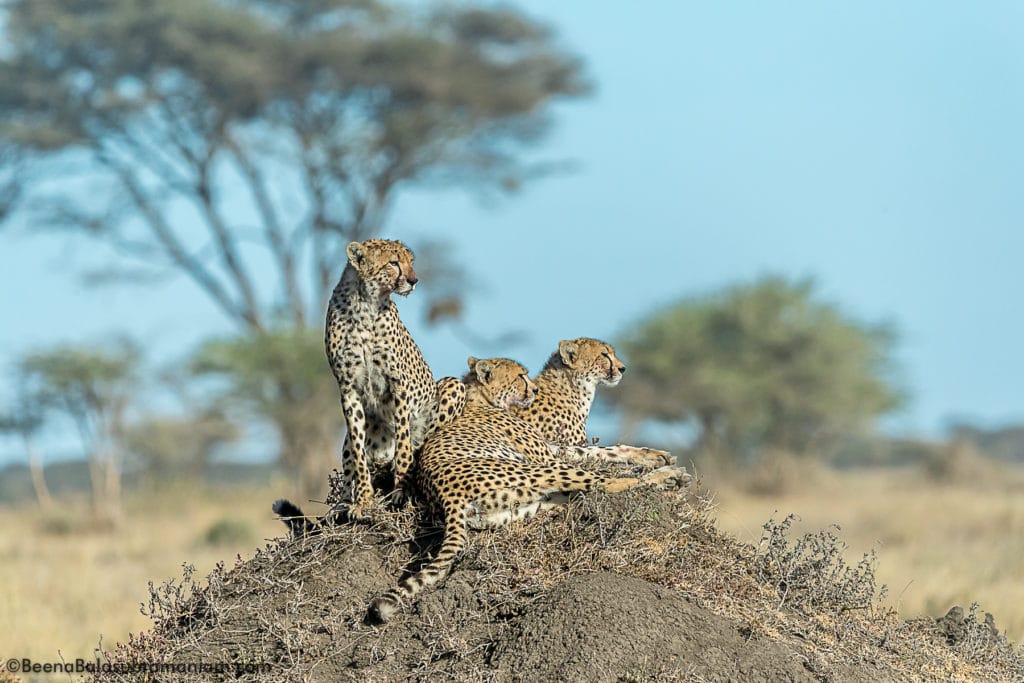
x=635 y=586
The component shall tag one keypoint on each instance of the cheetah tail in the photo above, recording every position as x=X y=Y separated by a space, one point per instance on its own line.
x=293 y=517
x=384 y=607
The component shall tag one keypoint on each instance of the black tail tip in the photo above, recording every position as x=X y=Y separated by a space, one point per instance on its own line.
x=381 y=610
x=298 y=524
x=286 y=508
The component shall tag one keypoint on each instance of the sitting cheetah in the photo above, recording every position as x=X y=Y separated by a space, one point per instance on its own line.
x=567 y=384
x=488 y=467
x=387 y=390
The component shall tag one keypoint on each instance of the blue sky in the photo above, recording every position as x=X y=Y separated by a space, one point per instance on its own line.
x=875 y=146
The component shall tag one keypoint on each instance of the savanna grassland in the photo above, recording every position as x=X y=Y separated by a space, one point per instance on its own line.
x=64 y=582
x=939 y=543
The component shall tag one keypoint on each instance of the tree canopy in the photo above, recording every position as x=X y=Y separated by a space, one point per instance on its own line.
x=283 y=378
x=761 y=365
x=222 y=138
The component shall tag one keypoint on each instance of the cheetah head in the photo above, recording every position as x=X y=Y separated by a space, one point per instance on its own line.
x=502 y=382
x=384 y=266
x=591 y=361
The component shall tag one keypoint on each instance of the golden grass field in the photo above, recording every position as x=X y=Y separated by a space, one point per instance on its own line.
x=938 y=544
x=63 y=583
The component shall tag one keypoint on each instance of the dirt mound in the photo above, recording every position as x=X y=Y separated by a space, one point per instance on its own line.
x=606 y=627
x=635 y=586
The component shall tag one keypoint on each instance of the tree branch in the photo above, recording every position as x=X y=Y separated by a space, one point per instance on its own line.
x=226 y=249
x=318 y=222
x=273 y=232
x=167 y=239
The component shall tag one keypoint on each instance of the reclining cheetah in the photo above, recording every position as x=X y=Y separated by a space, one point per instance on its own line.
x=388 y=394
x=567 y=384
x=488 y=467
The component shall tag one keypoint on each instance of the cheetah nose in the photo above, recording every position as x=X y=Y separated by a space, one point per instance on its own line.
x=536 y=391
x=622 y=369
x=412 y=280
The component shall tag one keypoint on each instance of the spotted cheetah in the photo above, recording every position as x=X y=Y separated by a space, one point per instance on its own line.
x=388 y=393
x=567 y=384
x=488 y=467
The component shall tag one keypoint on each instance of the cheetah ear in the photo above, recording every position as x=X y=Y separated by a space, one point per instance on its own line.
x=483 y=371
x=471 y=362
x=354 y=251
x=568 y=350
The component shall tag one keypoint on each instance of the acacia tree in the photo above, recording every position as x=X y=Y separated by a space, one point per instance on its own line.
x=94 y=389
x=221 y=138
x=170 y=446
x=762 y=365
x=243 y=144
x=278 y=377
x=25 y=418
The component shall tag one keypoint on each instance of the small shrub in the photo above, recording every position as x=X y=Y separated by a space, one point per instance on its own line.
x=957 y=461
x=58 y=524
x=779 y=472
x=812 y=573
x=69 y=523
x=227 y=532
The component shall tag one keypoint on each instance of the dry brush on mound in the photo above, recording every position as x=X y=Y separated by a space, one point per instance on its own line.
x=634 y=586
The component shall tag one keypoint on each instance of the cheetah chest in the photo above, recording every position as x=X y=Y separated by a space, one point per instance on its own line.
x=366 y=369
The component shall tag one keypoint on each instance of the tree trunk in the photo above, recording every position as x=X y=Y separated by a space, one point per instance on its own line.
x=709 y=441
x=35 y=468
x=112 y=484
x=629 y=426
x=96 y=483
x=316 y=464
x=105 y=477
x=308 y=454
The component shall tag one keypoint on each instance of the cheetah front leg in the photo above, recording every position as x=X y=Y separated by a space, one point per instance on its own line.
x=403 y=445
x=548 y=486
x=633 y=455
x=355 y=466
x=343 y=490
x=668 y=477
x=546 y=481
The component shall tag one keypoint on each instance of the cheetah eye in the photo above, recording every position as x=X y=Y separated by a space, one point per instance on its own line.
x=396 y=264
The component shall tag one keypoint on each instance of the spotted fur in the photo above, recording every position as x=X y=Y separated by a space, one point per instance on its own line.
x=489 y=467
x=388 y=394
x=567 y=385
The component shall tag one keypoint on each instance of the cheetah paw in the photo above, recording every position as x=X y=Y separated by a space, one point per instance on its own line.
x=668 y=477
x=359 y=512
x=647 y=457
x=335 y=516
x=401 y=493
